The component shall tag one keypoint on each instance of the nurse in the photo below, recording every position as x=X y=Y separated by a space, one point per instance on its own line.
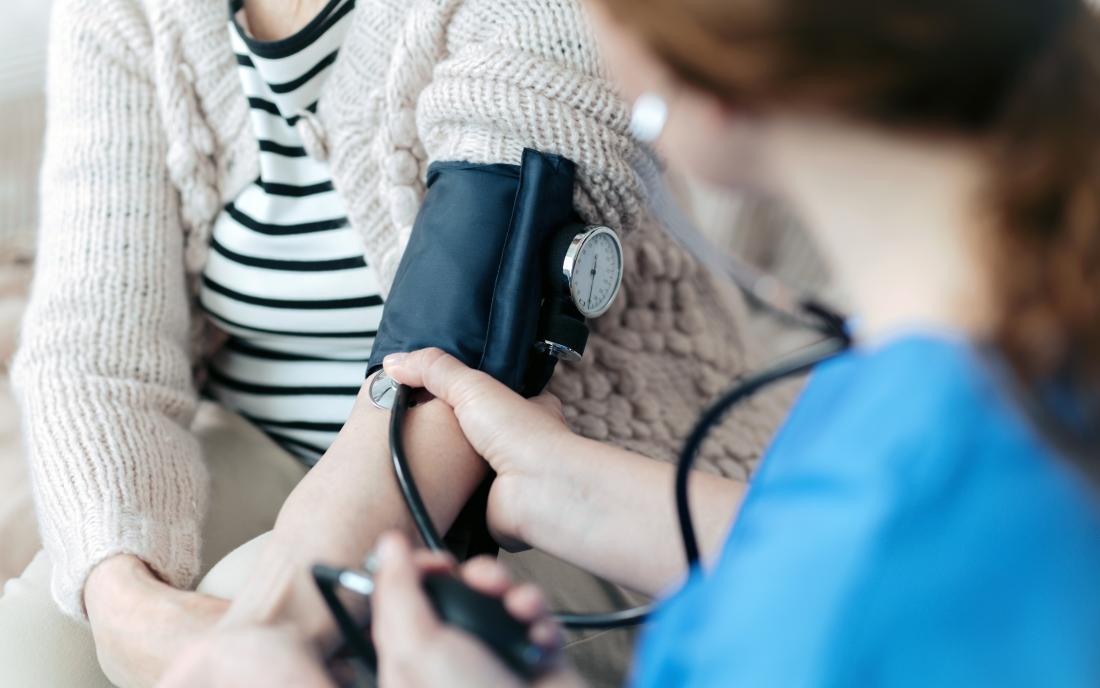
x=929 y=514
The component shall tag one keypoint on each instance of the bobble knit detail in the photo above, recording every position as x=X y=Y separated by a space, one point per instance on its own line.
x=141 y=155
x=191 y=158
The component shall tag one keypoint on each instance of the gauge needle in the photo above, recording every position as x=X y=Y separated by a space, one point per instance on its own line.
x=592 y=284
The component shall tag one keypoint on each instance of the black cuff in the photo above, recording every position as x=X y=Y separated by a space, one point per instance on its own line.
x=472 y=277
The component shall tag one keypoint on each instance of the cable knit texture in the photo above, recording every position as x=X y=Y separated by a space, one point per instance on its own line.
x=148 y=137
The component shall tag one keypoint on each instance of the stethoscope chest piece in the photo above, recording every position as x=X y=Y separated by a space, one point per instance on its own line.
x=382 y=391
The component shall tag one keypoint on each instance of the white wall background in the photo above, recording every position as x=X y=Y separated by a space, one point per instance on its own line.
x=23 y=47
x=22 y=82
x=22 y=71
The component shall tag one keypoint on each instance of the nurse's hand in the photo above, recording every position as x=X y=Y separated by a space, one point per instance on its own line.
x=516 y=436
x=416 y=649
x=230 y=656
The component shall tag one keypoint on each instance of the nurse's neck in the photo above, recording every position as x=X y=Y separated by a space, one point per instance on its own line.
x=899 y=220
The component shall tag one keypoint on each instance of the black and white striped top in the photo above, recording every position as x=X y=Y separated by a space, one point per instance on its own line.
x=286 y=278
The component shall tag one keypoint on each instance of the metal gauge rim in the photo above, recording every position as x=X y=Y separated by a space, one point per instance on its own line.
x=574 y=251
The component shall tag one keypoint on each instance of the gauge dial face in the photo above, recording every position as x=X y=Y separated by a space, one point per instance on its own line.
x=596 y=272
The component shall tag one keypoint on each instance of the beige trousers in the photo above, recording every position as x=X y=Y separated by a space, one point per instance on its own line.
x=251 y=477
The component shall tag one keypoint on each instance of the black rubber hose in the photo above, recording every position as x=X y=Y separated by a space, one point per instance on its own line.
x=361 y=652
x=421 y=517
x=622 y=618
x=794 y=366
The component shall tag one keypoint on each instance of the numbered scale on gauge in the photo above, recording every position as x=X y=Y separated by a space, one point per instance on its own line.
x=593 y=269
x=589 y=263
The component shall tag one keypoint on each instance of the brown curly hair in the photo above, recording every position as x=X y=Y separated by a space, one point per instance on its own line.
x=1021 y=78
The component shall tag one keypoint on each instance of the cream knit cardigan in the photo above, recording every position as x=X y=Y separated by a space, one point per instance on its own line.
x=148 y=137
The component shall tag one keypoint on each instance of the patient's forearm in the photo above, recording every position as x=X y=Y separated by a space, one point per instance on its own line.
x=348 y=499
x=613 y=513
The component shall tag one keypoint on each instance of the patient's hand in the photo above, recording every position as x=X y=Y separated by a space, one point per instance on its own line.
x=139 y=623
x=336 y=512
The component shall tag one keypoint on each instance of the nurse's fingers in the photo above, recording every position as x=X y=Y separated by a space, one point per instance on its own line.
x=447 y=378
x=402 y=617
x=524 y=601
x=487 y=575
x=429 y=561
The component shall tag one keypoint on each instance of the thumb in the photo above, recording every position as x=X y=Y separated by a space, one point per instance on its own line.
x=443 y=375
x=402 y=617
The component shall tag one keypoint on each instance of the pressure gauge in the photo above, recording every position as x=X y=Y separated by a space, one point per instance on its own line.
x=593 y=270
x=586 y=270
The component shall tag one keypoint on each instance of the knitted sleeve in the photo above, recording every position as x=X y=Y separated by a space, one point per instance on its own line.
x=103 y=369
x=526 y=73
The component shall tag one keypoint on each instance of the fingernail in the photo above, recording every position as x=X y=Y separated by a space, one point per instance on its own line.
x=394 y=359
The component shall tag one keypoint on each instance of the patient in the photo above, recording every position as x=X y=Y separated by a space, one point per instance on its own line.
x=228 y=186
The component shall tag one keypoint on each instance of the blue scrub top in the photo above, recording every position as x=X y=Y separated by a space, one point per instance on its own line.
x=908 y=527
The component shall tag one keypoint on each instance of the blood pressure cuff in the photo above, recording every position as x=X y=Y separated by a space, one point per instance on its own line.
x=472 y=277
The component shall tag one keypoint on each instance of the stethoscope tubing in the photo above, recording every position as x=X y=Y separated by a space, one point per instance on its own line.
x=792 y=366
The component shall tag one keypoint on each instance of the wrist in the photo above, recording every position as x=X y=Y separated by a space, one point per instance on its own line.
x=529 y=494
x=544 y=456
